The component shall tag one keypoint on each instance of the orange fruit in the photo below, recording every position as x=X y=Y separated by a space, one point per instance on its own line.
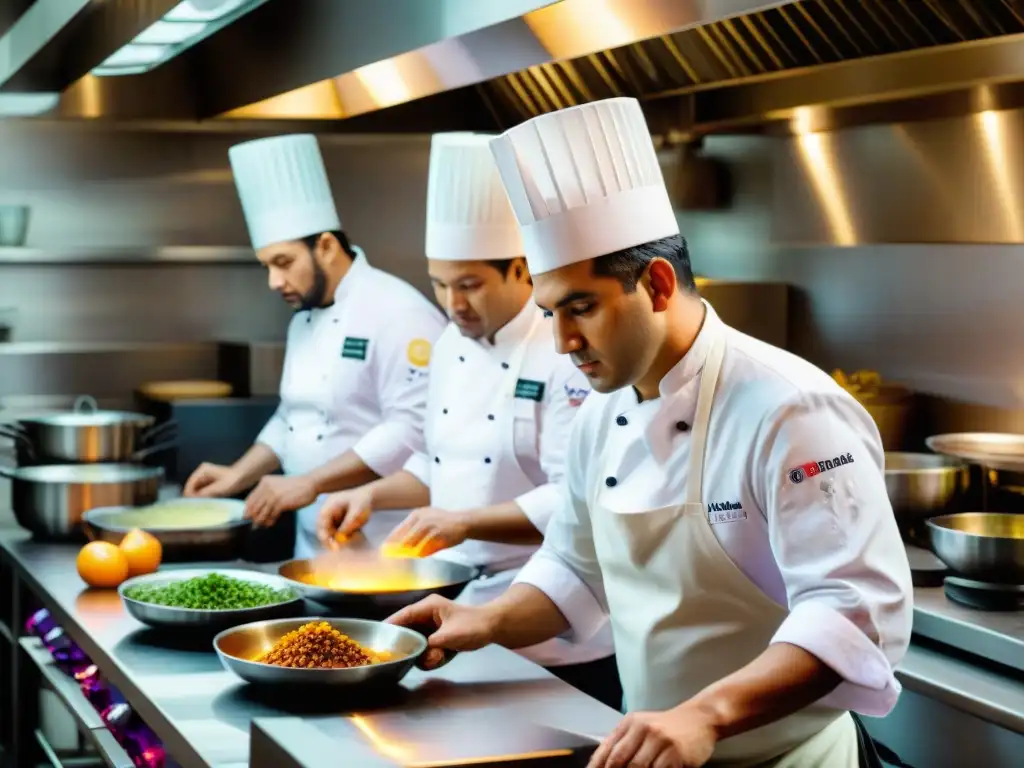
x=142 y=550
x=101 y=564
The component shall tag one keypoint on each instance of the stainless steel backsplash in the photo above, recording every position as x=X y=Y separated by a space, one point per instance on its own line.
x=903 y=247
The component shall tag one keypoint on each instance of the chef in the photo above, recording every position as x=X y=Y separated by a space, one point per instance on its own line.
x=354 y=384
x=727 y=505
x=500 y=404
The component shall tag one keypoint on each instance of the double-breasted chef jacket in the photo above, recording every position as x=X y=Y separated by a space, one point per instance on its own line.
x=497 y=426
x=712 y=523
x=355 y=378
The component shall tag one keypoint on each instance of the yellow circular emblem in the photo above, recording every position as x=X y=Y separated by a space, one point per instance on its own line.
x=418 y=352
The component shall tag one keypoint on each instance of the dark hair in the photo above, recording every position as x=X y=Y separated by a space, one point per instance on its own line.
x=628 y=265
x=311 y=241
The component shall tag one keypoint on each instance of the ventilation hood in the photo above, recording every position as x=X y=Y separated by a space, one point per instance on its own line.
x=699 y=66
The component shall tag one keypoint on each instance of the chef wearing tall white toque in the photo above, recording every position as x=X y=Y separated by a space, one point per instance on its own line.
x=726 y=499
x=500 y=404
x=354 y=384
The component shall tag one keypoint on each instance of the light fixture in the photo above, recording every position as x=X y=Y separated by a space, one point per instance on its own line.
x=189 y=22
x=27 y=104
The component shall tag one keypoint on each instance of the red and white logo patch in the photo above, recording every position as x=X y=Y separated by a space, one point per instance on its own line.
x=812 y=468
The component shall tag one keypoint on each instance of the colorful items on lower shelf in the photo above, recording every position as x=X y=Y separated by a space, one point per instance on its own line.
x=134 y=736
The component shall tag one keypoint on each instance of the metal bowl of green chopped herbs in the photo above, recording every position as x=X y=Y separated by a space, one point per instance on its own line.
x=208 y=599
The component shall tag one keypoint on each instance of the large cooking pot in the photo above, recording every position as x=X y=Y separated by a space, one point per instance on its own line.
x=985 y=546
x=50 y=500
x=922 y=485
x=86 y=435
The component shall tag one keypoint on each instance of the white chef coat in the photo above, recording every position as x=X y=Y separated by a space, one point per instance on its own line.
x=497 y=426
x=795 y=494
x=354 y=378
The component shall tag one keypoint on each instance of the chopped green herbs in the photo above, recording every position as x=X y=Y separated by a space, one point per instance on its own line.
x=213 y=592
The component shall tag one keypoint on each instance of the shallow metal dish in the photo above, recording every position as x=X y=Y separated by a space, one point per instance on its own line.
x=994 y=450
x=237 y=647
x=922 y=485
x=215 y=542
x=438 y=577
x=169 y=617
x=985 y=546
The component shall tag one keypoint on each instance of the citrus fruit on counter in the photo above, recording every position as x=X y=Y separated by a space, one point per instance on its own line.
x=142 y=550
x=101 y=564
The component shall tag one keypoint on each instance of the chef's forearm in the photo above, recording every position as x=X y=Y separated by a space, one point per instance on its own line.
x=782 y=680
x=525 y=616
x=505 y=523
x=402 y=490
x=340 y=474
x=258 y=461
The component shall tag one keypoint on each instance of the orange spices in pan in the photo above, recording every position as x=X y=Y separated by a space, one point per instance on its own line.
x=318 y=645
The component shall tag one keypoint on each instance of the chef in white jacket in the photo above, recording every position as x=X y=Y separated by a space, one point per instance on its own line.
x=501 y=401
x=354 y=384
x=727 y=505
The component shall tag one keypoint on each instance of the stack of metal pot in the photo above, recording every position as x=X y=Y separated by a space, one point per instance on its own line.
x=73 y=461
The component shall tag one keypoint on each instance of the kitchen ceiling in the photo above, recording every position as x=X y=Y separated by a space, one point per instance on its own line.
x=410 y=66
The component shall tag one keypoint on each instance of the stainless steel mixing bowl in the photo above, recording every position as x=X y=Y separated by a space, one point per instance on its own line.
x=237 y=647
x=170 y=617
x=984 y=546
x=922 y=485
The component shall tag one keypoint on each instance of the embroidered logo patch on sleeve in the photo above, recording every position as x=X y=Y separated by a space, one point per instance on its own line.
x=354 y=349
x=575 y=396
x=527 y=389
x=418 y=352
x=812 y=468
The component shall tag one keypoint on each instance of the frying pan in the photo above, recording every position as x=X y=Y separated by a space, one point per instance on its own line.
x=423 y=576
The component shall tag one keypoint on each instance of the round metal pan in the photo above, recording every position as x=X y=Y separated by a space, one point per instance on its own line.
x=238 y=646
x=174 y=618
x=985 y=546
x=52 y=500
x=922 y=485
x=216 y=542
x=437 y=576
x=993 y=450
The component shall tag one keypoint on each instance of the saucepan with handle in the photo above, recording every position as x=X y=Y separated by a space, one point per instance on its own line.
x=87 y=435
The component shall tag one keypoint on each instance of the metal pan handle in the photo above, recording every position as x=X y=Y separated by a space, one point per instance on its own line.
x=19 y=438
x=86 y=400
x=153 y=433
x=150 y=450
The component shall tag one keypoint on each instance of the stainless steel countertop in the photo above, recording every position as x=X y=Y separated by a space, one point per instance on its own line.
x=203 y=713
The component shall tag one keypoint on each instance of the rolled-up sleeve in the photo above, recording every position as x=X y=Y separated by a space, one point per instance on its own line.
x=419 y=467
x=565 y=568
x=566 y=394
x=274 y=433
x=835 y=540
x=401 y=375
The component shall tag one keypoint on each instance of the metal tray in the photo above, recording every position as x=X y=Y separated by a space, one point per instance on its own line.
x=169 y=617
x=993 y=450
x=237 y=646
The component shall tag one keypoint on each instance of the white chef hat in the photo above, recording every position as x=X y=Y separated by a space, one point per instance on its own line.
x=584 y=182
x=468 y=214
x=282 y=184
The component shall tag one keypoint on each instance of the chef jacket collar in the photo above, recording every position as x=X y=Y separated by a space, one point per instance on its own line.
x=674 y=410
x=510 y=335
x=359 y=266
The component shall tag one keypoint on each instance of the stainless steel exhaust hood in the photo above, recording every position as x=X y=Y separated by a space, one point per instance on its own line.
x=413 y=66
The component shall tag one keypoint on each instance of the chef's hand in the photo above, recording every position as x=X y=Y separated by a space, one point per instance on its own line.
x=428 y=530
x=449 y=627
x=275 y=494
x=682 y=737
x=343 y=514
x=211 y=481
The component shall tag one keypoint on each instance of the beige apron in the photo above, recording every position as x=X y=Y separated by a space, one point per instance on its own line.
x=685 y=616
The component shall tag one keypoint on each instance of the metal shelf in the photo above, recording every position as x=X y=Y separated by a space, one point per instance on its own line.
x=178 y=254
x=87 y=718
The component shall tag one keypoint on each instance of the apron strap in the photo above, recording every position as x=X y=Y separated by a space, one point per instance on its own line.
x=702 y=419
x=874 y=754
